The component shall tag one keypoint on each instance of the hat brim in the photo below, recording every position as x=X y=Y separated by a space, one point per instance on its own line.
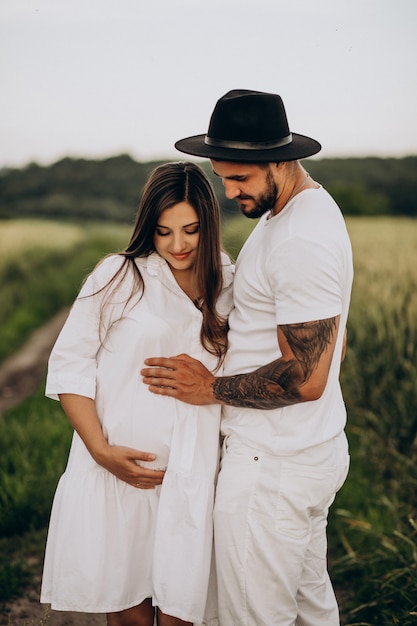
x=299 y=148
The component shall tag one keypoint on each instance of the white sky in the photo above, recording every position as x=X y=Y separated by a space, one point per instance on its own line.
x=95 y=78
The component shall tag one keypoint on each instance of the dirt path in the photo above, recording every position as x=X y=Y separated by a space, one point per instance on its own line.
x=21 y=373
x=28 y=612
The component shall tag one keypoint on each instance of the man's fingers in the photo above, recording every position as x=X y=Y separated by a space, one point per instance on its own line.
x=158 y=382
x=169 y=362
x=157 y=373
x=163 y=390
x=165 y=362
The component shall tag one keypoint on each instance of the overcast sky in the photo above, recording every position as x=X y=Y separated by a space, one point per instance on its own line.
x=95 y=78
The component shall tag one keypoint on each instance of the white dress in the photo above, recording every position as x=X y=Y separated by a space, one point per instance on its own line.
x=111 y=545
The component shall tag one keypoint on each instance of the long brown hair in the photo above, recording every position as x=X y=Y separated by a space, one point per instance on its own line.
x=168 y=185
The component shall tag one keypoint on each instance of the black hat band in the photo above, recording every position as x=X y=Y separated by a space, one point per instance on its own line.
x=247 y=145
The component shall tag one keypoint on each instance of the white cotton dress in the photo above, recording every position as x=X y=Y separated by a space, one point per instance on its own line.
x=111 y=545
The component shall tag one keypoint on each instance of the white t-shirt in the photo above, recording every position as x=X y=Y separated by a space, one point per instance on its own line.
x=295 y=267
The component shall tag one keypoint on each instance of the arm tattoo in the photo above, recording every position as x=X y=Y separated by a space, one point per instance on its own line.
x=278 y=384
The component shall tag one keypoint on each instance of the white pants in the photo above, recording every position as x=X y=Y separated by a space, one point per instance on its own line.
x=270 y=535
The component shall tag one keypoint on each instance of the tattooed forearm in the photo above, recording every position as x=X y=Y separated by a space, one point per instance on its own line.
x=272 y=386
x=280 y=383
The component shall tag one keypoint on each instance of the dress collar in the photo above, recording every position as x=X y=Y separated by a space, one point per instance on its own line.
x=155 y=265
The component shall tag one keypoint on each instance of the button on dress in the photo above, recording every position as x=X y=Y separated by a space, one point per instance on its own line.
x=111 y=545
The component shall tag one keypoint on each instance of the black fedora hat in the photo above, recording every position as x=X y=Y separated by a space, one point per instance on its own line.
x=249 y=126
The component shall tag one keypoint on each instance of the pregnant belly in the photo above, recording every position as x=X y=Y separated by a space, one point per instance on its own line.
x=154 y=435
x=146 y=432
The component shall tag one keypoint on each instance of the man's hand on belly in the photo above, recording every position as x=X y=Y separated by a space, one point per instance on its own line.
x=180 y=377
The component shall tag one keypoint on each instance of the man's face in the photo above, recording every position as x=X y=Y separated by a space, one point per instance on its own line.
x=253 y=186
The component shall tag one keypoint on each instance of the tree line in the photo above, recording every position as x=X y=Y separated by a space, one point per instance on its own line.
x=109 y=189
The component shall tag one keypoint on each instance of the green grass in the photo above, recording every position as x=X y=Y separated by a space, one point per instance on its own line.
x=21 y=560
x=373 y=523
x=43 y=272
x=373 y=532
x=34 y=443
x=234 y=232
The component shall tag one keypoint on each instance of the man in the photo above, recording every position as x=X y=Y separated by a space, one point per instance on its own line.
x=285 y=453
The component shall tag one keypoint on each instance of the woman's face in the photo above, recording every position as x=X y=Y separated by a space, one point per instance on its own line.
x=176 y=236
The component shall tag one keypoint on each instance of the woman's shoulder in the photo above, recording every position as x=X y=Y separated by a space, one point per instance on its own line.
x=104 y=273
x=108 y=266
x=113 y=263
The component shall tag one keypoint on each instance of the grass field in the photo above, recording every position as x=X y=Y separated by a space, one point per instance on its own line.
x=42 y=265
x=20 y=236
x=373 y=523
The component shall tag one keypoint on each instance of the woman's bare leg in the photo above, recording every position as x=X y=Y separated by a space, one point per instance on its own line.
x=168 y=620
x=140 y=615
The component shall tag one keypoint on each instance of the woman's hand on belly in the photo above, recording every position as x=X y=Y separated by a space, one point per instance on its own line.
x=123 y=463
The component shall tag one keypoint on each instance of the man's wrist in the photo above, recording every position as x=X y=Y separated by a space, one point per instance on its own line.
x=216 y=390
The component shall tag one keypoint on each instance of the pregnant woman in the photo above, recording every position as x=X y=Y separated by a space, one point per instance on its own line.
x=130 y=533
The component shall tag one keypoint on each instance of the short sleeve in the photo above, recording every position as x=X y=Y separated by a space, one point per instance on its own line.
x=72 y=364
x=307 y=283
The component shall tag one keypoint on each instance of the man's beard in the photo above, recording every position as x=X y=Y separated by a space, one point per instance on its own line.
x=265 y=201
